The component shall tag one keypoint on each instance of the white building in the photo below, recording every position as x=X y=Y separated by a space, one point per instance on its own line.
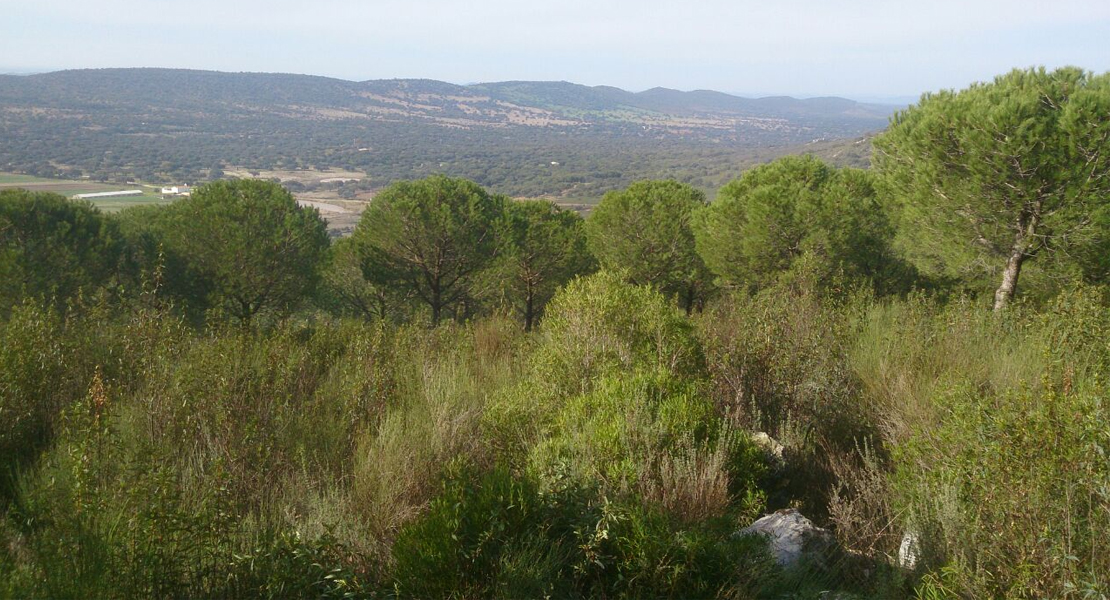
x=109 y=194
x=177 y=190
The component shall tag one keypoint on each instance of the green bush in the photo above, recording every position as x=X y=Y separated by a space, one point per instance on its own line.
x=957 y=483
x=634 y=551
x=596 y=327
x=1007 y=483
x=456 y=548
x=495 y=535
x=780 y=359
x=656 y=437
x=47 y=364
x=906 y=351
x=444 y=379
x=600 y=324
x=101 y=519
x=517 y=417
x=779 y=364
x=33 y=387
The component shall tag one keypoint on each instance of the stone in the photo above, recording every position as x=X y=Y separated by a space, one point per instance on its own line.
x=772 y=448
x=790 y=535
x=909 y=550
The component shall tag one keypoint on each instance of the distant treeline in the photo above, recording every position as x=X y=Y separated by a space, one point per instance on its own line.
x=188 y=127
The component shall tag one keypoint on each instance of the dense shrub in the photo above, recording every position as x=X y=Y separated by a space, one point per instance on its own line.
x=779 y=360
x=608 y=454
x=107 y=519
x=907 y=351
x=457 y=547
x=495 y=535
x=35 y=382
x=1048 y=540
x=600 y=324
x=958 y=472
x=445 y=378
x=47 y=363
x=659 y=438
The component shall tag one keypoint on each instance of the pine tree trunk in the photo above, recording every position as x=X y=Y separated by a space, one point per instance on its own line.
x=437 y=305
x=1019 y=251
x=689 y=300
x=529 y=312
x=1005 y=292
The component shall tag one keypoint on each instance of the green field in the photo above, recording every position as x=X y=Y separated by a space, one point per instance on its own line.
x=7 y=179
x=70 y=188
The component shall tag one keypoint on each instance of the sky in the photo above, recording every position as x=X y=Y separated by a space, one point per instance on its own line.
x=863 y=49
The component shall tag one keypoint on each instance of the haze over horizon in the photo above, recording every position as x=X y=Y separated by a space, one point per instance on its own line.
x=866 y=49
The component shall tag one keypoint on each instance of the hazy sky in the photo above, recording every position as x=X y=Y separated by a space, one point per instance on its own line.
x=855 y=48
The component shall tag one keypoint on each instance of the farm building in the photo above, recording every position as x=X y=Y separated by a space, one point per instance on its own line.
x=177 y=190
x=108 y=194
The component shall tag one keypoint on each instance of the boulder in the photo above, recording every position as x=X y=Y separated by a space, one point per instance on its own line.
x=791 y=536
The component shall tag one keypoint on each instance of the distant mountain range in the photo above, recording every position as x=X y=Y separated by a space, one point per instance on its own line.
x=182 y=124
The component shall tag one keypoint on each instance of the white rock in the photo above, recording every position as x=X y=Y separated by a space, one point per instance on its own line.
x=772 y=448
x=768 y=443
x=909 y=550
x=790 y=535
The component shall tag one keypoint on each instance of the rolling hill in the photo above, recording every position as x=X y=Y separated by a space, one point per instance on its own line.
x=518 y=137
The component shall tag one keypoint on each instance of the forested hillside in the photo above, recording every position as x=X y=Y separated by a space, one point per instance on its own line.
x=825 y=382
x=519 y=138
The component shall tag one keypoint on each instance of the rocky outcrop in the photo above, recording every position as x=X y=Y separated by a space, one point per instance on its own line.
x=791 y=536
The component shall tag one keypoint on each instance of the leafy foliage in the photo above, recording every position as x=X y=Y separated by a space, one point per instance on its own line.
x=660 y=437
x=346 y=291
x=1000 y=173
x=600 y=325
x=544 y=247
x=644 y=232
x=986 y=441
x=247 y=246
x=52 y=249
x=493 y=535
x=430 y=237
x=763 y=222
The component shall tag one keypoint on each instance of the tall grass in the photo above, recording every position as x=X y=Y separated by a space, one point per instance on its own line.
x=608 y=454
x=907 y=352
x=1005 y=477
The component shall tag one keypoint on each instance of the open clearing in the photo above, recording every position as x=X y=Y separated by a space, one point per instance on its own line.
x=341 y=214
x=305 y=176
x=70 y=188
x=324 y=207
